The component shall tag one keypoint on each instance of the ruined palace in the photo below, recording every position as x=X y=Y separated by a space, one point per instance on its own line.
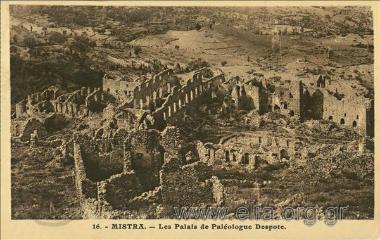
x=136 y=156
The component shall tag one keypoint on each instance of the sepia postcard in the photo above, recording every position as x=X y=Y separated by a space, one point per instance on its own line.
x=189 y=120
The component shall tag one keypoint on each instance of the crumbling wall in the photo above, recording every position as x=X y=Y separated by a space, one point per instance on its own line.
x=245 y=99
x=118 y=87
x=80 y=102
x=22 y=129
x=207 y=153
x=318 y=103
x=147 y=156
x=86 y=189
x=285 y=99
x=119 y=196
x=347 y=112
x=46 y=95
x=253 y=94
x=186 y=185
x=36 y=109
x=178 y=99
x=119 y=189
x=311 y=103
x=172 y=140
x=102 y=158
x=147 y=92
x=93 y=100
x=243 y=149
x=21 y=109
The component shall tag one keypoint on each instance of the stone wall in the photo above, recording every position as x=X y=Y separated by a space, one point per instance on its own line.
x=186 y=185
x=178 y=99
x=172 y=140
x=119 y=196
x=254 y=95
x=285 y=99
x=118 y=87
x=149 y=91
x=243 y=150
x=22 y=129
x=86 y=189
x=318 y=103
x=347 y=112
x=147 y=156
x=46 y=95
x=81 y=102
x=311 y=103
x=307 y=102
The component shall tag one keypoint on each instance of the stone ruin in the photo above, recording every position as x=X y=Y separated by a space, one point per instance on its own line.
x=140 y=173
x=135 y=164
x=79 y=103
x=306 y=102
x=250 y=150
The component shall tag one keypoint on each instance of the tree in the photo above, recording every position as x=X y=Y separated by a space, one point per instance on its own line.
x=82 y=44
x=137 y=50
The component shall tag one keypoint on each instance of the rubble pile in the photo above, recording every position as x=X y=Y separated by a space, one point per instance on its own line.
x=332 y=160
x=186 y=185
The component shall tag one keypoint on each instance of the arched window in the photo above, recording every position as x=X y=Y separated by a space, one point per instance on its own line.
x=331 y=118
x=284 y=154
x=342 y=121
x=227 y=156
x=245 y=159
x=354 y=124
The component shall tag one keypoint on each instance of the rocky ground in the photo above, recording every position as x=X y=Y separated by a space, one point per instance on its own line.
x=41 y=187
